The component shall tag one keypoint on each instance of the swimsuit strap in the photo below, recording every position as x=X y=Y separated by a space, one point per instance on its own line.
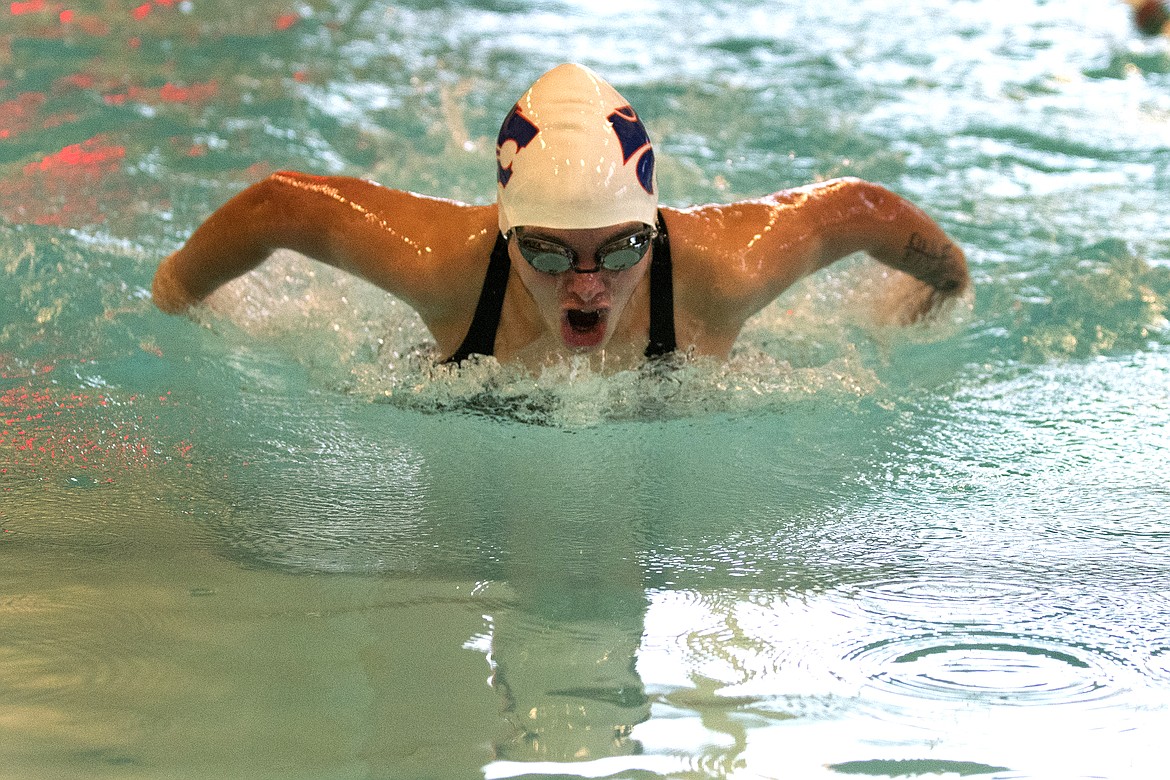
x=662 y=338
x=481 y=335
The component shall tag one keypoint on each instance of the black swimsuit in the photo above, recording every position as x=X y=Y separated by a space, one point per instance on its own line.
x=481 y=336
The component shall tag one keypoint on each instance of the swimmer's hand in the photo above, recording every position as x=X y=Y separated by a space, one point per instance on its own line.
x=169 y=294
x=928 y=273
x=904 y=300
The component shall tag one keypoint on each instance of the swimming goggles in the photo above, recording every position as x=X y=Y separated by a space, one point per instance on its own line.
x=552 y=257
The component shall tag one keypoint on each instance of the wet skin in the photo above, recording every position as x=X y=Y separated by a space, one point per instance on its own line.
x=583 y=309
x=728 y=261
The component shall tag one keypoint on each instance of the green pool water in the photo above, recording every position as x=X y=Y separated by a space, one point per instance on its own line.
x=274 y=541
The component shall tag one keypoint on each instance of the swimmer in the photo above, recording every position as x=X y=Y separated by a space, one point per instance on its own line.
x=576 y=257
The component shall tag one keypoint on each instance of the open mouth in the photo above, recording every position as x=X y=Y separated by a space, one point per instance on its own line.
x=582 y=329
x=583 y=321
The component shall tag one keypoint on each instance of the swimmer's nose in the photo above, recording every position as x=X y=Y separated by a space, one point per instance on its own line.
x=584 y=287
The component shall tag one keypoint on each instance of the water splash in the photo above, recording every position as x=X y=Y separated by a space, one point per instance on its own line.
x=824 y=340
x=1108 y=300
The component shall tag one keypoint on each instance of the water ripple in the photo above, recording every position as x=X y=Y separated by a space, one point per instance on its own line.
x=1157 y=664
x=59 y=644
x=954 y=601
x=988 y=667
x=740 y=650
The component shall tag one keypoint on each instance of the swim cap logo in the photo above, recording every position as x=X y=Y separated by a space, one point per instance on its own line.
x=633 y=138
x=520 y=131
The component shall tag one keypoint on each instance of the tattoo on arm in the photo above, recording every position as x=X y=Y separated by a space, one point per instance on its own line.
x=925 y=260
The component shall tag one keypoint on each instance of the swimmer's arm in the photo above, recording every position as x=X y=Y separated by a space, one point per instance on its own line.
x=797 y=232
x=393 y=239
x=865 y=217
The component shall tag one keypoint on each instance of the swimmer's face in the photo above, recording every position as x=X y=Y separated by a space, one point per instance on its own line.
x=582 y=305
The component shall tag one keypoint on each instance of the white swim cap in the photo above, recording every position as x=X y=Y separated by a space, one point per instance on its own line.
x=573 y=154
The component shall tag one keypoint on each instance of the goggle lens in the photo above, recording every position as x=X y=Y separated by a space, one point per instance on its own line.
x=623 y=258
x=551 y=257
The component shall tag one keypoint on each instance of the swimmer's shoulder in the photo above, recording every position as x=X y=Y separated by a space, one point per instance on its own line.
x=706 y=285
x=716 y=243
x=730 y=259
x=404 y=220
x=442 y=268
x=431 y=252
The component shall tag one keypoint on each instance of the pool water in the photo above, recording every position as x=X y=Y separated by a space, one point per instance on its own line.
x=274 y=540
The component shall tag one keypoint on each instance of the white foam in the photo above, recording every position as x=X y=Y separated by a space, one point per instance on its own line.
x=816 y=341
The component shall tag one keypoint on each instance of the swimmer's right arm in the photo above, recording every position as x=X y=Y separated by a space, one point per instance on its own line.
x=391 y=238
x=239 y=236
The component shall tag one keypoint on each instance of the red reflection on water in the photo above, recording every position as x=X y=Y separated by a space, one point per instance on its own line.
x=29 y=7
x=92 y=23
x=82 y=430
x=168 y=93
x=67 y=187
x=257 y=171
x=142 y=11
x=25 y=113
x=182 y=146
x=18 y=115
x=78 y=80
x=93 y=155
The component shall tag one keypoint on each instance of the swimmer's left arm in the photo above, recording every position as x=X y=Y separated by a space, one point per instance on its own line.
x=764 y=246
x=859 y=216
x=803 y=230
